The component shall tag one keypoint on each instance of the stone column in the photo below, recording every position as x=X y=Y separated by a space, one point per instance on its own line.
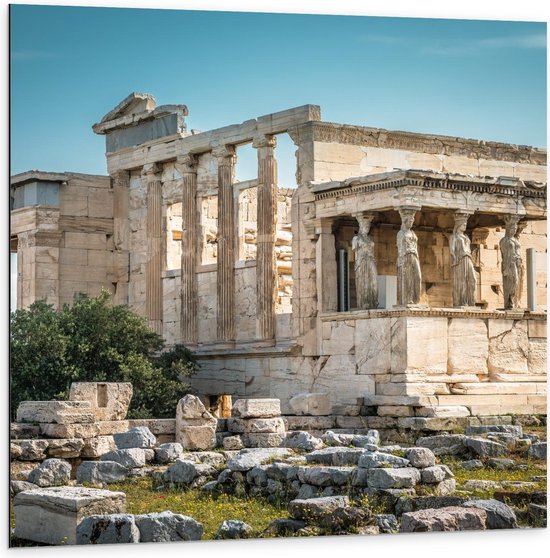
x=409 y=278
x=121 y=236
x=153 y=281
x=226 y=243
x=326 y=269
x=266 y=266
x=187 y=165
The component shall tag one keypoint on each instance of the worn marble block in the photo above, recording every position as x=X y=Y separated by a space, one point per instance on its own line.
x=51 y=515
x=108 y=400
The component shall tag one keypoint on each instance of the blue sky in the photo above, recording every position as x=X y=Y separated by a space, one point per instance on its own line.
x=69 y=66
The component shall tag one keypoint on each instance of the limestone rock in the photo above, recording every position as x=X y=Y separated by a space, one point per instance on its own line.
x=444 y=519
x=392 y=478
x=420 y=457
x=499 y=515
x=387 y=522
x=17 y=486
x=73 y=430
x=282 y=472
x=269 y=426
x=108 y=400
x=137 y=437
x=233 y=529
x=168 y=526
x=325 y=476
x=330 y=438
x=15 y=451
x=432 y=475
x=98 y=472
x=257 y=408
x=538 y=451
x=33 y=450
x=515 y=429
x=51 y=472
x=262 y=439
x=96 y=447
x=185 y=472
x=472 y=464
x=129 y=458
x=283 y=527
x=371 y=460
x=195 y=426
x=232 y=443
x=311 y=509
x=51 y=515
x=335 y=456
x=166 y=453
x=302 y=441
x=485 y=448
x=58 y=412
x=249 y=458
x=107 y=529
x=444 y=444
x=65 y=449
x=310 y=404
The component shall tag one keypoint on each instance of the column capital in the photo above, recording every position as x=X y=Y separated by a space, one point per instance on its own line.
x=120 y=178
x=264 y=141
x=187 y=163
x=408 y=210
x=151 y=171
x=224 y=153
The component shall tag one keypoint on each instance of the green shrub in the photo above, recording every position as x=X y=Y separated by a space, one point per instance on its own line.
x=93 y=341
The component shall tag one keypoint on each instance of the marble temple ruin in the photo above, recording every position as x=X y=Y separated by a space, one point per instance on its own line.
x=404 y=275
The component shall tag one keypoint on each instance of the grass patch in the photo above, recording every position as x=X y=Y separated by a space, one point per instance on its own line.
x=205 y=508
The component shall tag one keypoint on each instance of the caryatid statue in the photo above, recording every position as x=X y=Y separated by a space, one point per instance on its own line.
x=409 y=277
x=366 y=275
x=463 y=275
x=512 y=262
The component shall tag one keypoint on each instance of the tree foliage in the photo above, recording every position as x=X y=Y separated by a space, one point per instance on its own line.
x=93 y=341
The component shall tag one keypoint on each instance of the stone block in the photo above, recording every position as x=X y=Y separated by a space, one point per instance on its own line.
x=508 y=351
x=75 y=430
x=537 y=329
x=262 y=440
x=65 y=449
x=375 y=459
x=137 y=437
x=311 y=404
x=420 y=457
x=107 y=529
x=380 y=478
x=168 y=526
x=271 y=425
x=499 y=515
x=373 y=346
x=468 y=346
x=108 y=400
x=443 y=411
x=96 y=447
x=195 y=426
x=33 y=450
x=52 y=515
x=110 y=427
x=51 y=472
x=99 y=472
x=444 y=519
x=311 y=509
x=325 y=476
x=166 y=453
x=56 y=412
x=129 y=457
x=257 y=408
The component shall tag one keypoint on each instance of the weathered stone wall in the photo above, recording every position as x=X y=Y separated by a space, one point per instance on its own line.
x=68 y=248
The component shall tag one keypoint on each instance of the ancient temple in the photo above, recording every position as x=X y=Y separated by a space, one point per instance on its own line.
x=405 y=274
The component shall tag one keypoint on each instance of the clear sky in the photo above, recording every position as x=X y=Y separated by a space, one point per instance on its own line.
x=70 y=66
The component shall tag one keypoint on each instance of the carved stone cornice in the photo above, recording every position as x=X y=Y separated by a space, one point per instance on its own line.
x=425 y=143
x=437 y=181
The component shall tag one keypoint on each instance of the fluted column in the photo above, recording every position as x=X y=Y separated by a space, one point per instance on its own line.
x=226 y=243
x=187 y=165
x=153 y=280
x=266 y=265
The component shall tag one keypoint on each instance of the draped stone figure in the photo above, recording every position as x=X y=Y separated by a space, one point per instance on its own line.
x=366 y=274
x=512 y=263
x=409 y=278
x=463 y=275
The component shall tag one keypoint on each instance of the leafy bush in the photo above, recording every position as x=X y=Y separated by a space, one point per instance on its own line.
x=93 y=341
